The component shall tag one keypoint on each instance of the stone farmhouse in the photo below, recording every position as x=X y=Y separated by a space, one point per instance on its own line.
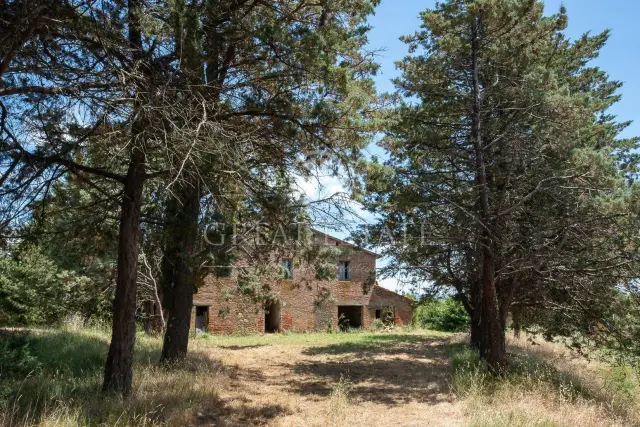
x=304 y=303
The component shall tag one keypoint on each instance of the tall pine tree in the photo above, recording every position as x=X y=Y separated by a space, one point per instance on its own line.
x=504 y=173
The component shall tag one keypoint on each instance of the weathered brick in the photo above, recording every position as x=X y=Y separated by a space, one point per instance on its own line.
x=307 y=304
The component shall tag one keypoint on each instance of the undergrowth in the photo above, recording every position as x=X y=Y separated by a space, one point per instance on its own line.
x=536 y=392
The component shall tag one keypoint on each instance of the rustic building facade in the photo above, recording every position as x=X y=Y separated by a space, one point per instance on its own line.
x=304 y=303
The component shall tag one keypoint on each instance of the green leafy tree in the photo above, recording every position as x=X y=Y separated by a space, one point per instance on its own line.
x=446 y=315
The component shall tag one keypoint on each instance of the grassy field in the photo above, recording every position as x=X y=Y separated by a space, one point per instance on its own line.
x=404 y=378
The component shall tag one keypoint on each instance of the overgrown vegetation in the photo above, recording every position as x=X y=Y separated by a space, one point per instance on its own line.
x=447 y=315
x=53 y=377
x=50 y=377
x=546 y=374
x=128 y=128
x=34 y=290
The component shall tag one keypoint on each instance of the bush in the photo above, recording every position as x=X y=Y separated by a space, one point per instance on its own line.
x=378 y=326
x=447 y=315
x=34 y=291
x=16 y=358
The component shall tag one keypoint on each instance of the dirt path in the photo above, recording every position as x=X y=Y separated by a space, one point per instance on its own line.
x=391 y=380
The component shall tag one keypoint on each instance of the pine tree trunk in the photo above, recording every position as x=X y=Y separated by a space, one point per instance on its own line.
x=474 y=310
x=476 y=316
x=181 y=271
x=493 y=347
x=476 y=332
x=118 y=371
x=493 y=337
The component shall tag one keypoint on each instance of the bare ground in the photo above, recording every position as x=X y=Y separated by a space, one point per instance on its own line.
x=402 y=378
x=389 y=379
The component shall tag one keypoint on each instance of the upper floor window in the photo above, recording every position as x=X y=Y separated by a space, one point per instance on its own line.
x=286 y=266
x=344 y=271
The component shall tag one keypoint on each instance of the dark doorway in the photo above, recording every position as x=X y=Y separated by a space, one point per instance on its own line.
x=202 y=318
x=349 y=316
x=272 y=317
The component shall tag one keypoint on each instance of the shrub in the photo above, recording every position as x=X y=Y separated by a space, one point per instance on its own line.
x=446 y=315
x=377 y=325
x=35 y=291
x=16 y=358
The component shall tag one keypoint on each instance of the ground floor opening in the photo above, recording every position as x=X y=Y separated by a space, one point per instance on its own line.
x=272 y=317
x=202 y=318
x=349 y=316
x=386 y=315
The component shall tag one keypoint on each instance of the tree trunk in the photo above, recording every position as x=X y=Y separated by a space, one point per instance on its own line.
x=473 y=308
x=476 y=316
x=493 y=337
x=180 y=270
x=515 y=319
x=493 y=346
x=118 y=371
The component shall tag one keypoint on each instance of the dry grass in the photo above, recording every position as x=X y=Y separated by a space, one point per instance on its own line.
x=404 y=378
x=547 y=386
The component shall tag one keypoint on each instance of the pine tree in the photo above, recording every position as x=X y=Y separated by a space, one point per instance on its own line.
x=500 y=157
x=284 y=87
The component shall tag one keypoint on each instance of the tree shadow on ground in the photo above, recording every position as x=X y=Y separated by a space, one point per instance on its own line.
x=387 y=369
x=65 y=377
x=372 y=345
x=242 y=347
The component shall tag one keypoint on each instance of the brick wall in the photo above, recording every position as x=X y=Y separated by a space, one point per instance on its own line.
x=306 y=303
x=381 y=297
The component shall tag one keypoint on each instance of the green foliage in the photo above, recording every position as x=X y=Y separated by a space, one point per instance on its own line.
x=526 y=371
x=497 y=98
x=35 y=291
x=16 y=358
x=377 y=325
x=324 y=259
x=446 y=315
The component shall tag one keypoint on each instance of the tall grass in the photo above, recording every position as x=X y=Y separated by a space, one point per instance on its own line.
x=540 y=390
x=339 y=402
x=61 y=385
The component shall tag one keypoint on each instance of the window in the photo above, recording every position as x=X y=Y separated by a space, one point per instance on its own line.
x=286 y=266
x=344 y=271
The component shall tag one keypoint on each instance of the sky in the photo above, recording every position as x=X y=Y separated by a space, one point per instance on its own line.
x=620 y=57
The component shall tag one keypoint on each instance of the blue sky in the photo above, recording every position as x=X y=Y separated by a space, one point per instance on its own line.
x=620 y=57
